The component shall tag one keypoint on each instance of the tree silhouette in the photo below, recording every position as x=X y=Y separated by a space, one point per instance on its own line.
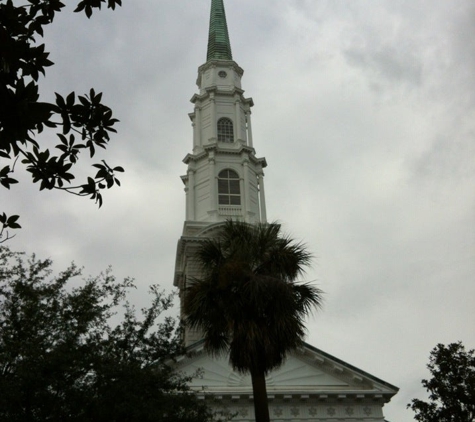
x=83 y=123
x=68 y=354
x=248 y=303
x=451 y=388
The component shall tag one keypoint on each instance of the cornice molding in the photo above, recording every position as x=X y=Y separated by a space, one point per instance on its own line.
x=291 y=395
x=211 y=150
x=231 y=64
x=214 y=89
x=318 y=355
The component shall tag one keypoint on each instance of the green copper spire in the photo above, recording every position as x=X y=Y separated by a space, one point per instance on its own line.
x=219 y=46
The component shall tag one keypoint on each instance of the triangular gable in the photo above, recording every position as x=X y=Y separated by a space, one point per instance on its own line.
x=308 y=371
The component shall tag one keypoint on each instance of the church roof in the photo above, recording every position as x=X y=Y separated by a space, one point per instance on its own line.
x=219 y=47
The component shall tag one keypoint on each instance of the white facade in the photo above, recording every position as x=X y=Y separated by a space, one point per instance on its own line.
x=221 y=98
x=216 y=150
x=310 y=386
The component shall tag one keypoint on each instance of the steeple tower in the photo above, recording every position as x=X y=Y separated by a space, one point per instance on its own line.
x=224 y=179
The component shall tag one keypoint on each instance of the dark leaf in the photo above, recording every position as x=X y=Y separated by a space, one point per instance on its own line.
x=70 y=99
x=7 y=181
x=60 y=101
x=12 y=219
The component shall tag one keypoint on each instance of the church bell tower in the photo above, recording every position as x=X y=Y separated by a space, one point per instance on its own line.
x=224 y=178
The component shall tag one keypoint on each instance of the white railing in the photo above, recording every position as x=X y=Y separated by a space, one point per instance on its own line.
x=230 y=210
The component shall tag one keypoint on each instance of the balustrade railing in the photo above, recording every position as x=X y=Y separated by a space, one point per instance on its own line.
x=230 y=210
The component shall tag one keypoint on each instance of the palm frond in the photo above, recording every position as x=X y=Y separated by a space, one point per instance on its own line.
x=247 y=301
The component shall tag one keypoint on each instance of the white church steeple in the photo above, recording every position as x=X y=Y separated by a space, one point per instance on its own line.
x=224 y=179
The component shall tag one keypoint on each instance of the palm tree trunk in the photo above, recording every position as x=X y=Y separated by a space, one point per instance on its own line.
x=261 y=406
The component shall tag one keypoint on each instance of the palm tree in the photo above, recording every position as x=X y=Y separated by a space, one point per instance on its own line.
x=247 y=302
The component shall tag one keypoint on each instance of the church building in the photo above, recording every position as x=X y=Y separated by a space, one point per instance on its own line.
x=225 y=180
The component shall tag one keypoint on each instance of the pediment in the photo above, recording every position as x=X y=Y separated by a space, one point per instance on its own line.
x=216 y=373
x=308 y=371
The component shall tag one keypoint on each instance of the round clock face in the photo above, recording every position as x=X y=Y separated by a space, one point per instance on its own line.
x=222 y=74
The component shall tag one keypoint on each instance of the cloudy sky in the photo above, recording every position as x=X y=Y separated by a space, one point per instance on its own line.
x=365 y=112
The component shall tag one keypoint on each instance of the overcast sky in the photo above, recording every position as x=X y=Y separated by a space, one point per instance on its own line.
x=365 y=112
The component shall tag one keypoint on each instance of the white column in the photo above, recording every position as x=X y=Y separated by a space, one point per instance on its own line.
x=213 y=117
x=249 y=129
x=190 y=211
x=246 y=205
x=214 y=75
x=195 y=135
x=187 y=197
x=245 y=128
x=198 y=126
x=212 y=186
x=237 y=119
x=262 y=198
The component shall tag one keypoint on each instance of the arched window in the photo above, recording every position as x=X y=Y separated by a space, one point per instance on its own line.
x=229 y=192
x=225 y=130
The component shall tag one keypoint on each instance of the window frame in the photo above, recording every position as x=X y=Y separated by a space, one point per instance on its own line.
x=229 y=188
x=225 y=130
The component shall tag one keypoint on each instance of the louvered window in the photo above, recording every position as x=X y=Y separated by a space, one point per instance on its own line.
x=225 y=130
x=229 y=192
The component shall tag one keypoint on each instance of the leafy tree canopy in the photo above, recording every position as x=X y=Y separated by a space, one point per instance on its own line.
x=62 y=359
x=451 y=388
x=82 y=123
